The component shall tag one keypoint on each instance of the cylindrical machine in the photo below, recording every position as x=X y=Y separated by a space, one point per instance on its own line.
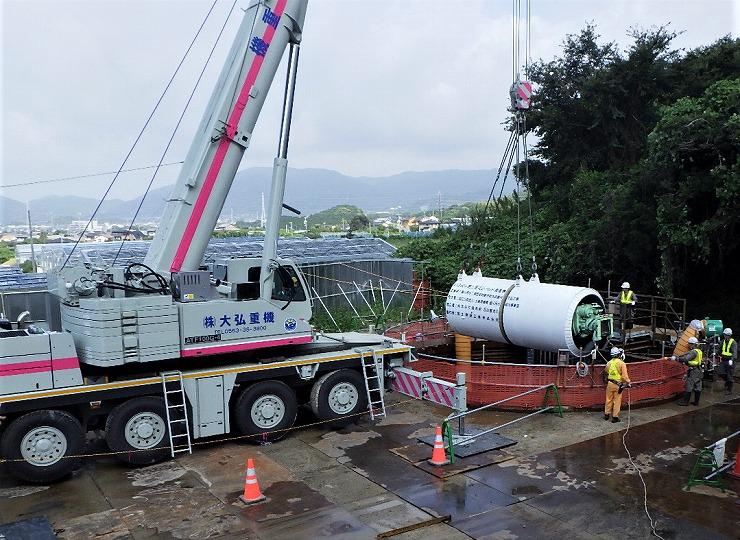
x=527 y=313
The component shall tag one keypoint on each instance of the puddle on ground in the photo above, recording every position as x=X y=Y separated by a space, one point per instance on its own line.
x=333 y=444
x=155 y=475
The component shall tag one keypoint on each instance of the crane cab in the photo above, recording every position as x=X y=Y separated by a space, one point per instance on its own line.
x=221 y=310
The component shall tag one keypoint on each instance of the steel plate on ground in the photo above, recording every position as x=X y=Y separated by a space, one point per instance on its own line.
x=485 y=443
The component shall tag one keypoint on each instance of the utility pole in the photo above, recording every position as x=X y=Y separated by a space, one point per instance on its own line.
x=30 y=238
x=439 y=205
x=262 y=215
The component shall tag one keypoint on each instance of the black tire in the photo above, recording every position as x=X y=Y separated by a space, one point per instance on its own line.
x=276 y=394
x=67 y=430
x=148 y=410
x=341 y=413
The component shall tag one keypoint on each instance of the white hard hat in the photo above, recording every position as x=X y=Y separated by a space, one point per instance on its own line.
x=626 y=285
x=693 y=341
x=727 y=331
x=616 y=351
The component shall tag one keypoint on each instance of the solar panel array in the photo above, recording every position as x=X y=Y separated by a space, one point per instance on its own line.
x=12 y=278
x=301 y=250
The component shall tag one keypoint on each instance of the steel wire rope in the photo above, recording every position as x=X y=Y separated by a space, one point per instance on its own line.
x=634 y=465
x=91 y=175
x=509 y=144
x=141 y=131
x=174 y=131
x=225 y=439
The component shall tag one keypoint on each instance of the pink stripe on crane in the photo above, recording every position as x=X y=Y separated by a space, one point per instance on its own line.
x=222 y=150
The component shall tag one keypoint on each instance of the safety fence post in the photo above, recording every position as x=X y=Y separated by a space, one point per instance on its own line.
x=447 y=433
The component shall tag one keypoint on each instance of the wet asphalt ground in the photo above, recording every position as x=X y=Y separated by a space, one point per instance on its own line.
x=568 y=477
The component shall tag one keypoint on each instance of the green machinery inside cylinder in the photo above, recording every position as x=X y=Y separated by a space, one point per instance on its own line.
x=590 y=323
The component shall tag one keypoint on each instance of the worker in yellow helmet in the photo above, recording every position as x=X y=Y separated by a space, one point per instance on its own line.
x=728 y=359
x=693 y=359
x=617 y=379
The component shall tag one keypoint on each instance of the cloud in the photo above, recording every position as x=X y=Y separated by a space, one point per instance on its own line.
x=383 y=86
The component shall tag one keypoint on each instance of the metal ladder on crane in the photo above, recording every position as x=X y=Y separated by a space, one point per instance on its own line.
x=178 y=426
x=372 y=369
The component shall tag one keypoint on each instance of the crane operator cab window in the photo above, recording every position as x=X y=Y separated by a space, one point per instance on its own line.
x=286 y=285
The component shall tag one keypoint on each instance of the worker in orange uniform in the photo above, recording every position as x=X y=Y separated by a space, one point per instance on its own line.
x=617 y=380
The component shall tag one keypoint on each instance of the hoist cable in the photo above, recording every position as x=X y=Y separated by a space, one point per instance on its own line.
x=174 y=131
x=518 y=209
x=529 y=193
x=141 y=132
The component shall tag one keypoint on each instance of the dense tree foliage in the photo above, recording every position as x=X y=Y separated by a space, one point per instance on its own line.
x=634 y=175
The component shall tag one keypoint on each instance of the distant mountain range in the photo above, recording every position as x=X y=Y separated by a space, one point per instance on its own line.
x=309 y=190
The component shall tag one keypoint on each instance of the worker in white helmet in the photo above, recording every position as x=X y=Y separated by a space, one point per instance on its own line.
x=694 y=376
x=728 y=359
x=627 y=301
x=617 y=379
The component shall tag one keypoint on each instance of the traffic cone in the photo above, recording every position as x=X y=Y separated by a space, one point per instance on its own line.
x=439 y=457
x=736 y=468
x=252 y=493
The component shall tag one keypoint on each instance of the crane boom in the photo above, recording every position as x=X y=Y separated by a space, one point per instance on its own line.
x=224 y=134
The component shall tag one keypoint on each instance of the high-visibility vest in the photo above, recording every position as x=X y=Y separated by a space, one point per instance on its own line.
x=727 y=347
x=696 y=362
x=625 y=297
x=613 y=370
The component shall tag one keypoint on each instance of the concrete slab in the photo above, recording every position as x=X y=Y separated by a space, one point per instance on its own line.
x=341 y=485
x=79 y=495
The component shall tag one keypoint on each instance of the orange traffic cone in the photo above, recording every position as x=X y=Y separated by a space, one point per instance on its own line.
x=252 y=493
x=438 y=454
x=736 y=468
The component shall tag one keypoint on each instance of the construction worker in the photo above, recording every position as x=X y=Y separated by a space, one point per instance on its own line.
x=728 y=359
x=617 y=380
x=627 y=301
x=694 y=376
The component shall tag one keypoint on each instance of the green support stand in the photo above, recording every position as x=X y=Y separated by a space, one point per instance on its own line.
x=704 y=466
x=447 y=434
x=558 y=408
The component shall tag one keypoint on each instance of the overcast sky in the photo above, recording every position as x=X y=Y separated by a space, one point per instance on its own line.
x=383 y=86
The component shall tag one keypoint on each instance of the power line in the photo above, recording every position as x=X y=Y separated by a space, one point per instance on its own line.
x=141 y=131
x=91 y=175
x=174 y=131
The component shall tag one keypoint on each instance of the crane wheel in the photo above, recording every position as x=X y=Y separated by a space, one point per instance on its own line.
x=339 y=396
x=137 y=430
x=266 y=409
x=41 y=446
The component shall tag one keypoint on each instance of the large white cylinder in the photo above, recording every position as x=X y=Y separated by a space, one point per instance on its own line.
x=525 y=313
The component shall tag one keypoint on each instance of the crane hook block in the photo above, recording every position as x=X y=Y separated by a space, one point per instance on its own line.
x=521 y=95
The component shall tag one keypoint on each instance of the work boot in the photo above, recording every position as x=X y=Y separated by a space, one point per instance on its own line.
x=606 y=417
x=684 y=401
x=615 y=420
x=697 y=395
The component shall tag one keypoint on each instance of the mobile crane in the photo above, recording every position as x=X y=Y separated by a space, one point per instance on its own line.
x=161 y=352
